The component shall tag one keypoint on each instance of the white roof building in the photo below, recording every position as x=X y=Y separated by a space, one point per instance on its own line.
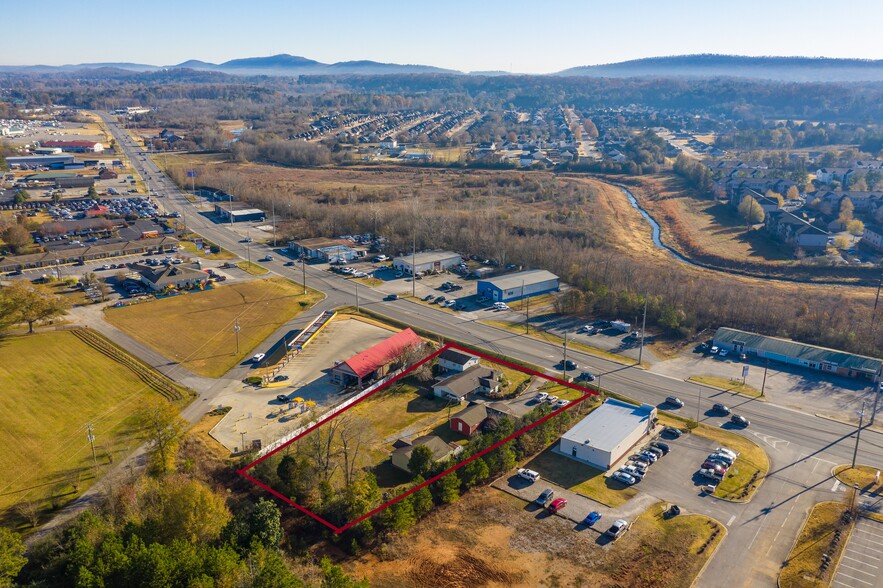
x=608 y=433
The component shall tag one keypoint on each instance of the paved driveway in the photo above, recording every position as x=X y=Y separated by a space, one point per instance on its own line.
x=861 y=564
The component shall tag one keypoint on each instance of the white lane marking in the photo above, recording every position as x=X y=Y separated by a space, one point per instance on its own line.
x=859 y=570
x=861 y=562
x=836 y=485
x=730 y=522
x=842 y=584
x=850 y=550
x=870 y=533
x=851 y=578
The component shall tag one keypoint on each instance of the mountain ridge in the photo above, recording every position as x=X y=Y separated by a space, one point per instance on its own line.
x=705 y=65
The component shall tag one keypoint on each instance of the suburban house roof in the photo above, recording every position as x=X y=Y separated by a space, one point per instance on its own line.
x=466 y=381
x=473 y=415
x=454 y=356
x=516 y=280
x=371 y=359
x=440 y=449
x=797 y=350
x=609 y=424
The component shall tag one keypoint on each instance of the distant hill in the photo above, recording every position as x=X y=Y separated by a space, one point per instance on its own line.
x=282 y=64
x=792 y=69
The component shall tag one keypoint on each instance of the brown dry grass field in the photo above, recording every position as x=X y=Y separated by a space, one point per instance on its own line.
x=465 y=544
x=539 y=207
x=196 y=329
x=700 y=226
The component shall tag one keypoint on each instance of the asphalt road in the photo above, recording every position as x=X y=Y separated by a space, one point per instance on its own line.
x=802 y=447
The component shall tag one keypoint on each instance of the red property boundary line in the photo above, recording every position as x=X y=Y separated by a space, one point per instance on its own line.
x=337 y=530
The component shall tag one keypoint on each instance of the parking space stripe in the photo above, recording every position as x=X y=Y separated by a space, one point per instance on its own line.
x=856 y=579
x=842 y=584
x=861 y=554
x=861 y=562
x=869 y=533
x=859 y=570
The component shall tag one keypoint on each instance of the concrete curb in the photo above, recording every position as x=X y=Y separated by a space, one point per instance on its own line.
x=713 y=553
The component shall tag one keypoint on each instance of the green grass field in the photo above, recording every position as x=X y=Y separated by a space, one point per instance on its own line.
x=196 y=329
x=53 y=384
x=801 y=568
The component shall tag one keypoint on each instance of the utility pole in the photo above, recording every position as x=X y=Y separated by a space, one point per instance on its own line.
x=274 y=221
x=236 y=329
x=357 y=295
x=564 y=361
x=763 y=385
x=91 y=437
x=876 y=398
x=242 y=436
x=527 y=316
x=699 y=403
x=858 y=433
x=876 y=300
x=303 y=268
x=643 y=326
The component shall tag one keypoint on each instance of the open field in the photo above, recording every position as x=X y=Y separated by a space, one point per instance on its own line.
x=727 y=384
x=465 y=544
x=44 y=408
x=580 y=478
x=705 y=227
x=801 y=569
x=196 y=329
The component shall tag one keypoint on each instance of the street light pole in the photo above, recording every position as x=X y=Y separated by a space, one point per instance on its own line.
x=236 y=328
x=274 y=222
x=564 y=361
x=858 y=433
x=357 y=295
x=763 y=385
x=91 y=437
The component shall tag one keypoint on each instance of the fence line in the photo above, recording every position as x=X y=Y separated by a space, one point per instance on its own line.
x=340 y=407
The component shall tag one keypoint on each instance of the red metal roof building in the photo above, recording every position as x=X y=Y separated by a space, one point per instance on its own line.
x=374 y=362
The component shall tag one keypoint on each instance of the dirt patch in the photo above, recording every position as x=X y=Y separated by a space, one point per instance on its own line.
x=465 y=544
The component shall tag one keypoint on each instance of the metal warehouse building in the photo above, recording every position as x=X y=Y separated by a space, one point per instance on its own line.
x=519 y=285
x=800 y=354
x=608 y=433
x=239 y=212
x=426 y=261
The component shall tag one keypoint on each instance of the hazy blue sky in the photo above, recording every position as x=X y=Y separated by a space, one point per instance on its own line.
x=515 y=35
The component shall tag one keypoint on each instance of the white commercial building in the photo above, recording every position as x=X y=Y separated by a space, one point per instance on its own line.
x=517 y=286
x=427 y=261
x=608 y=433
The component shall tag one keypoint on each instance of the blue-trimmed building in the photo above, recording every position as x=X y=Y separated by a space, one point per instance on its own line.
x=518 y=285
x=800 y=354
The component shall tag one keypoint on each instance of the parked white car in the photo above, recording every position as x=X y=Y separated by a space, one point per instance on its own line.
x=541 y=396
x=258 y=357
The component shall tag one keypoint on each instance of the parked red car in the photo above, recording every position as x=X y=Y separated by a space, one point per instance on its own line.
x=557 y=504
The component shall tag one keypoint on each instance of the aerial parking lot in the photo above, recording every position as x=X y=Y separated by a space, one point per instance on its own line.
x=259 y=414
x=860 y=565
